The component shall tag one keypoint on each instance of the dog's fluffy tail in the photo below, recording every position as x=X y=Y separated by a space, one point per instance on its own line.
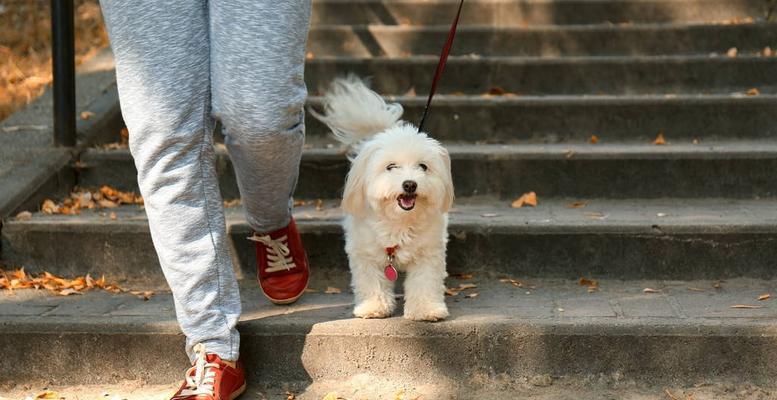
x=354 y=112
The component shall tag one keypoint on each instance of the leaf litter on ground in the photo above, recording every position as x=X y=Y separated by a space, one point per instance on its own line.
x=593 y=285
x=527 y=199
x=660 y=140
x=454 y=291
x=514 y=282
x=20 y=279
x=80 y=198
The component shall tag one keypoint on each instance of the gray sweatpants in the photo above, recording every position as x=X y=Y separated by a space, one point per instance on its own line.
x=180 y=65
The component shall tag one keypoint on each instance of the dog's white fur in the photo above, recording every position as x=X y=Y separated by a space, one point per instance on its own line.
x=374 y=219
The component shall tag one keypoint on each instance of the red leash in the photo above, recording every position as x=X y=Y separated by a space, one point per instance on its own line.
x=441 y=65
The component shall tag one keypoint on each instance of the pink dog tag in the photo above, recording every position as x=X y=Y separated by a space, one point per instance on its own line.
x=390 y=272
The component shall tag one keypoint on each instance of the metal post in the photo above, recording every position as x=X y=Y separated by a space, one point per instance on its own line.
x=64 y=72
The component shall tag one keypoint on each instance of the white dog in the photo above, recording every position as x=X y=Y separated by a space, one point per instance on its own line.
x=396 y=199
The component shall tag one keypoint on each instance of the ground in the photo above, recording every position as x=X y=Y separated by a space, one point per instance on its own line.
x=542 y=388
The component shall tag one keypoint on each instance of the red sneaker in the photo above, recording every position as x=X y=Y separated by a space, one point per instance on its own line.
x=282 y=265
x=210 y=378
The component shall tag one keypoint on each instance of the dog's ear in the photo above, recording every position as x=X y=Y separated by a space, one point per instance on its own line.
x=355 y=192
x=447 y=179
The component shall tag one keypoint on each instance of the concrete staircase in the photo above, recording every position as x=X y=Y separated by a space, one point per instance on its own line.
x=700 y=209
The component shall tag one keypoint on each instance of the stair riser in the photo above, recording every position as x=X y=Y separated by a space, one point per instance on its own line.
x=621 y=76
x=521 y=13
x=507 y=178
x=124 y=250
x=551 y=42
x=451 y=357
x=575 y=120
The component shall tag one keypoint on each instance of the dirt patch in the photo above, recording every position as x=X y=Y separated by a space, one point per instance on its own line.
x=25 y=47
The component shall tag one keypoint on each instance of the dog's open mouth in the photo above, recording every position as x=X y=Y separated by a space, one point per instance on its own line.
x=406 y=201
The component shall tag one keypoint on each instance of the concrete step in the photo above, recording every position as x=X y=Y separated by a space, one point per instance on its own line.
x=684 y=170
x=553 y=41
x=549 y=119
x=567 y=75
x=544 y=331
x=532 y=12
x=626 y=239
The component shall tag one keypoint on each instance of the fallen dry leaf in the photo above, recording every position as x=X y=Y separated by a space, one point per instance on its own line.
x=24 y=216
x=49 y=207
x=595 y=215
x=587 y=282
x=290 y=396
x=593 y=285
x=68 y=292
x=319 y=204
x=527 y=199
x=332 y=290
x=694 y=289
x=577 y=204
x=331 y=396
x=514 y=282
x=763 y=297
x=454 y=291
x=86 y=115
x=105 y=203
x=112 y=215
x=309 y=55
x=753 y=92
x=649 y=290
x=496 y=91
x=767 y=52
x=47 y=394
x=471 y=295
x=732 y=52
x=718 y=284
x=311 y=290
x=462 y=276
x=660 y=140
x=143 y=295
x=593 y=139
x=746 y=306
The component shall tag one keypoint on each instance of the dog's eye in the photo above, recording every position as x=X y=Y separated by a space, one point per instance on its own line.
x=423 y=166
x=391 y=166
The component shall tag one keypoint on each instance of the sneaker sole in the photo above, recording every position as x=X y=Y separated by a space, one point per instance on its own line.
x=237 y=393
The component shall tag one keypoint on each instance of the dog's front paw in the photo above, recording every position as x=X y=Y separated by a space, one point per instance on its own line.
x=426 y=312
x=375 y=308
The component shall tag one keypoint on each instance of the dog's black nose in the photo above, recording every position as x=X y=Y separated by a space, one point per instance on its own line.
x=409 y=186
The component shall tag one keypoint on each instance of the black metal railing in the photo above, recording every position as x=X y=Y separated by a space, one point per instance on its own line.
x=63 y=64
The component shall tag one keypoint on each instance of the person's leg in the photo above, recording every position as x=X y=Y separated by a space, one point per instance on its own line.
x=257 y=66
x=163 y=73
x=257 y=62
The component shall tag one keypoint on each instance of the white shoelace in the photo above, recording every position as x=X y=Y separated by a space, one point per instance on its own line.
x=278 y=253
x=201 y=382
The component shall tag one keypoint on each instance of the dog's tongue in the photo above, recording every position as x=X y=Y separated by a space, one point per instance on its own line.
x=407 y=201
